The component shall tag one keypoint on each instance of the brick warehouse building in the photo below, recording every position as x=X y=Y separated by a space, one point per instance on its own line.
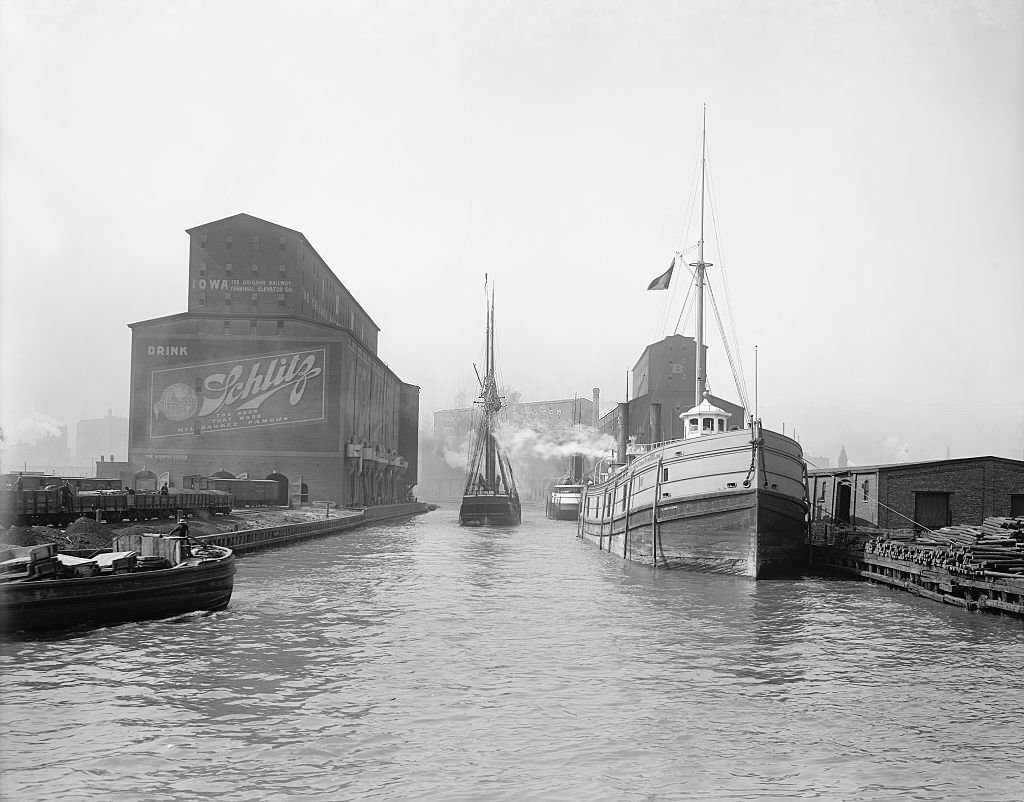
x=273 y=373
x=662 y=384
x=919 y=494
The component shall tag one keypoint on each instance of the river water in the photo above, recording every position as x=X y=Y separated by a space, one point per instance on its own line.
x=421 y=660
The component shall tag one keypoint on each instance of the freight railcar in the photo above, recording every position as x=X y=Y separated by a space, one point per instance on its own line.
x=61 y=506
x=246 y=492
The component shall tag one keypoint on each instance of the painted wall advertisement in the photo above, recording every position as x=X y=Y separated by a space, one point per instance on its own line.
x=268 y=390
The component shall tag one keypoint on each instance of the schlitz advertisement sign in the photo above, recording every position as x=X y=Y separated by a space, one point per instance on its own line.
x=269 y=390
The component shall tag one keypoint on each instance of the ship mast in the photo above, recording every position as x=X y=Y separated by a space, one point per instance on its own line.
x=492 y=402
x=701 y=265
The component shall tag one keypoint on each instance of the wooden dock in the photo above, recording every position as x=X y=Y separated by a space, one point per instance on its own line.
x=977 y=568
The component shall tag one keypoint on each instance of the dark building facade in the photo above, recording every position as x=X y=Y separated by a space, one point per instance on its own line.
x=918 y=495
x=271 y=373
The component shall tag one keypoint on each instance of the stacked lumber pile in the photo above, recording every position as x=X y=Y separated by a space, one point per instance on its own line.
x=996 y=547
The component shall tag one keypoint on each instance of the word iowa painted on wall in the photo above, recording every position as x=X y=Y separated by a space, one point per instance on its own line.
x=269 y=390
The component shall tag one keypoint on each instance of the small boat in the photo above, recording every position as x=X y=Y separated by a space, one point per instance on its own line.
x=490 y=495
x=727 y=497
x=141 y=577
x=563 y=502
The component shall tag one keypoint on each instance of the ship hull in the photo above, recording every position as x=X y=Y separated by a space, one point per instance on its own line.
x=497 y=509
x=754 y=533
x=731 y=504
x=563 y=510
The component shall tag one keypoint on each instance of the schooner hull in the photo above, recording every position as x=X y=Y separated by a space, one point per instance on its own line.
x=754 y=533
x=498 y=509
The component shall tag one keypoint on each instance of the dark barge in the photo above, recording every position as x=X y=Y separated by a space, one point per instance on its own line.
x=149 y=577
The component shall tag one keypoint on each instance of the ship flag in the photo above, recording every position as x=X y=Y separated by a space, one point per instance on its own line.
x=662 y=281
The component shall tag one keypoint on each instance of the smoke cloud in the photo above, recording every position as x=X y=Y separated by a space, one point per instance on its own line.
x=36 y=426
x=457 y=458
x=524 y=442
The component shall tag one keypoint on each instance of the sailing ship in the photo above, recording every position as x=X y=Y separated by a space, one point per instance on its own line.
x=490 y=495
x=725 y=498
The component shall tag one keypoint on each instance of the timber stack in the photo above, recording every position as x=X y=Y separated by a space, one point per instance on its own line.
x=975 y=567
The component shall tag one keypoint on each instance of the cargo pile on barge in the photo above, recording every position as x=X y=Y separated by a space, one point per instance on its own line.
x=975 y=567
x=996 y=548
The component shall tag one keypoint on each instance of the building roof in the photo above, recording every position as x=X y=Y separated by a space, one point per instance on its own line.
x=900 y=465
x=180 y=316
x=260 y=220
x=650 y=346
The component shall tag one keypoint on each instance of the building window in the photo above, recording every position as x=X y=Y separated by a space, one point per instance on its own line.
x=281 y=269
x=227 y=299
x=280 y=327
x=255 y=269
x=280 y=300
x=202 y=268
x=664 y=474
x=252 y=326
x=229 y=242
x=256 y=242
x=254 y=297
x=864 y=487
x=202 y=240
x=281 y=242
x=227 y=268
x=227 y=326
x=202 y=299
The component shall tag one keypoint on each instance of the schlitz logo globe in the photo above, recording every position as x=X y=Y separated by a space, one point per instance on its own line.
x=230 y=395
x=178 y=402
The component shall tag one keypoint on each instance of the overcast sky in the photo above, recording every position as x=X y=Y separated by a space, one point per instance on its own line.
x=866 y=161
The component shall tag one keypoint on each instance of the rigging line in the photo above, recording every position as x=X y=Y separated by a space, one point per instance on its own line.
x=719 y=240
x=688 y=214
x=682 y=309
x=880 y=504
x=728 y=351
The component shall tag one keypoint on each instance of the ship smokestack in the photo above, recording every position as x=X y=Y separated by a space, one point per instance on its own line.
x=623 y=431
x=597 y=407
x=656 y=423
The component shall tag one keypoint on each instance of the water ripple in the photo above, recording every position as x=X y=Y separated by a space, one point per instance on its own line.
x=422 y=660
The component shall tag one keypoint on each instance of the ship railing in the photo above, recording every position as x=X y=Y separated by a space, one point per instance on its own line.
x=636 y=449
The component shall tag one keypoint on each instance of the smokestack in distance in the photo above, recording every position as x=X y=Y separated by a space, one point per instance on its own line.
x=597 y=406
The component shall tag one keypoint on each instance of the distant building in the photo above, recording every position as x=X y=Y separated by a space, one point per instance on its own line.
x=272 y=372
x=48 y=454
x=909 y=495
x=816 y=462
x=102 y=437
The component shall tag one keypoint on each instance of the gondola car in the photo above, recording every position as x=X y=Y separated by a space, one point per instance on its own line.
x=61 y=506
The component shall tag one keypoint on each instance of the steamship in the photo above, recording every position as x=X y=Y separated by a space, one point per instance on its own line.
x=727 y=497
x=490 y=495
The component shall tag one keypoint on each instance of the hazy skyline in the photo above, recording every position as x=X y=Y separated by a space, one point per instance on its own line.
x=866 y=164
